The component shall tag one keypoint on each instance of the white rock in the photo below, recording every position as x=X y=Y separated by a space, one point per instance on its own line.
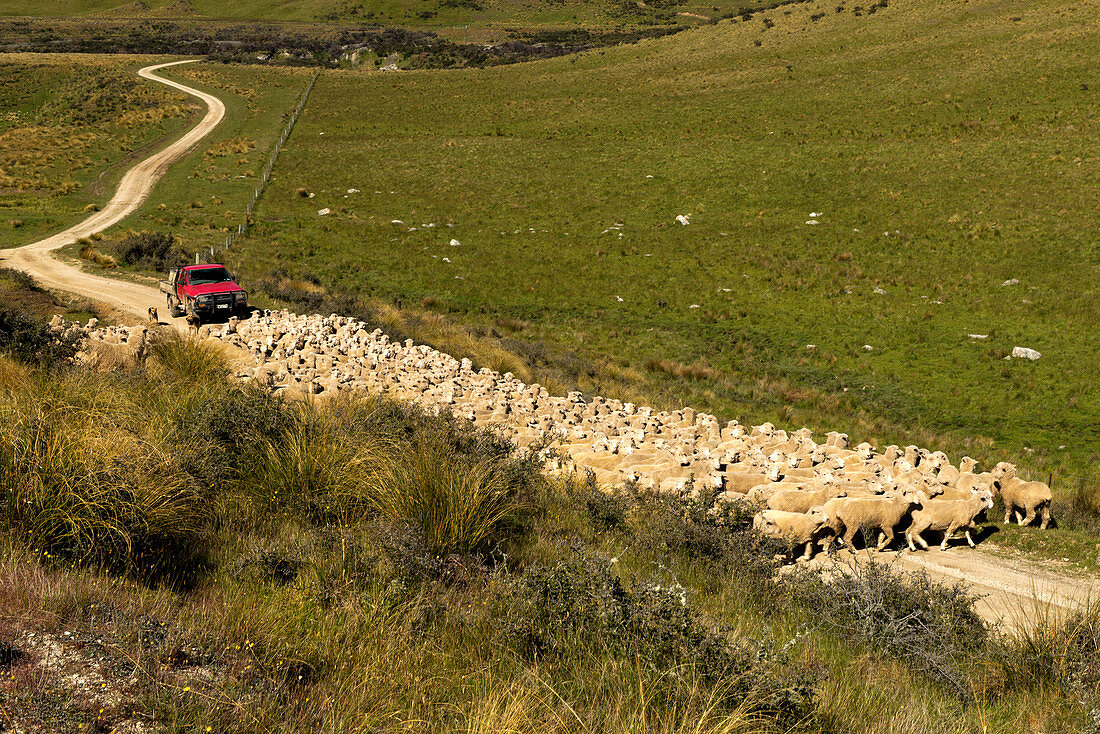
x=812 y=221
x=446 y=259
x=353 y=191
x=324 y=212
x=1025 y=353
x=1011 y=281
x=868 y=348
x=978 y=336
x=811 y=346
x=454 y=243
x=880 y=291
x=684 y=219
x=694 y=305
x=619 y=299
x=396 y=221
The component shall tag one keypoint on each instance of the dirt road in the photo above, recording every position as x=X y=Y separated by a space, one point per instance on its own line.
x=1014 y=592
x=135 y=186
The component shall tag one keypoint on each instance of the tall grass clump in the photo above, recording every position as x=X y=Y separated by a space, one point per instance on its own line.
x=80 y=479
x=318 y=466
x=1057 y=649
x=459 y=502
x=173 y=356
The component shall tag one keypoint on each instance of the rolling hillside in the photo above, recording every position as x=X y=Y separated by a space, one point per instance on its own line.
x=862 y=182
x=591 y=15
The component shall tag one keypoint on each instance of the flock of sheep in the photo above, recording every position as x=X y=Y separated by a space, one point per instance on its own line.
x=808 y=493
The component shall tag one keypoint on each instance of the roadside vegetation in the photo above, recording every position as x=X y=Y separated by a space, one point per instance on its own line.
x=187 y=551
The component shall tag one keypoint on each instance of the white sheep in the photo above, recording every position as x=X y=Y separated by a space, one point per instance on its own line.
x=796 y=527
x=1021 y=497
x=871 y=513
x=743 y=481
x=948 y=516
x=798 y=500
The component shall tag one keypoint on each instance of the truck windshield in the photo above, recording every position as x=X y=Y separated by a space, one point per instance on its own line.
x=206 y=276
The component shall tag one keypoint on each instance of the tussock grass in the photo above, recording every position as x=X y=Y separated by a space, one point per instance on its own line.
x=79 y=479
x=320 y=468
x=180 y=357
x=457 y=502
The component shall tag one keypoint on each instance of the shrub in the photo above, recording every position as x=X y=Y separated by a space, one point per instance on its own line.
x=31 y=341
x=577 y=608
x=930 y=625
x=724 y=542
x=607 y=510
x=151 y=250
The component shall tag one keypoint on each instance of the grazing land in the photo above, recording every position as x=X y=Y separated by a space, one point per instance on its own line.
x=183 y=551
x=460 y=18
x=71 y=126
x=862 y=183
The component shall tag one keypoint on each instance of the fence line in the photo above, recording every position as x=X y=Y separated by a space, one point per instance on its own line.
x=242 y=228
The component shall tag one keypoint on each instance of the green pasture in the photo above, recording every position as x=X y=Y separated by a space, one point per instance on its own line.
x=69 y=127
x=203 y=197
x=453 y=16
x=946 y=148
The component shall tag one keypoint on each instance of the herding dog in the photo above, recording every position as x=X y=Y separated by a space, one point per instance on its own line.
x=154 y=318
x=192 y=322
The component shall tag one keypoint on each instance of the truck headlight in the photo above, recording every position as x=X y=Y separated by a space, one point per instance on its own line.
x=240 y=296
x=203 y=299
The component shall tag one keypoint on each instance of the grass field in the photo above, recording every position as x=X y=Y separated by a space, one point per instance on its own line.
x=851 y=178
x=203 y=197
x=70 y=127
x=459 y=18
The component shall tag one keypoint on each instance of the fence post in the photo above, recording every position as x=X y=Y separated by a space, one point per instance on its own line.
x=266 y=176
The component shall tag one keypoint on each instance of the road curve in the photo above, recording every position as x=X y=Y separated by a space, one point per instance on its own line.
x=134 y=188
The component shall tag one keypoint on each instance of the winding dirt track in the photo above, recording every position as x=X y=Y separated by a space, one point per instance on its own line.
x=135 y=186
x=1015 y=593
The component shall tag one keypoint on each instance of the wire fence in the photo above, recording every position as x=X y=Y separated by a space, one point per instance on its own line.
x=242 y=228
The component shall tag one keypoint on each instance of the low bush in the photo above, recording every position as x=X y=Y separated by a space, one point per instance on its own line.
x=32 y=342
x=151 y=250
x=910 y=616
x=578 y=609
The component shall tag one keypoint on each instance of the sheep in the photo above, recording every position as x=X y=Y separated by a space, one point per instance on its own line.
x=761 y=493
x=798 y=500
x=1020 y=496
x=881 y=513
x=948 y=516
x=743 y=481
x=796 y=527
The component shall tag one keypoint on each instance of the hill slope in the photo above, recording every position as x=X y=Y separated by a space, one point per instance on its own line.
x=852 y=179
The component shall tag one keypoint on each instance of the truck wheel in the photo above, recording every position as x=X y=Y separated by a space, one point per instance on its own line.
x=174 y=307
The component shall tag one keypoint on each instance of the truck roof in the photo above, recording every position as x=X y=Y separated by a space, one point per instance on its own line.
x=201 y=267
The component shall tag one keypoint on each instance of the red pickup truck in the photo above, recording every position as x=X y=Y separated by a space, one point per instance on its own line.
x=203 y=290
